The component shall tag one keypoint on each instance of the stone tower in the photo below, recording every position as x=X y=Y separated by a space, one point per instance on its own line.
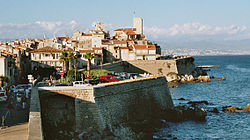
x=138 y=24
x=99 y=26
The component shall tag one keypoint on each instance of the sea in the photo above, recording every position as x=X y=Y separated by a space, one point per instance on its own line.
x=234 y=91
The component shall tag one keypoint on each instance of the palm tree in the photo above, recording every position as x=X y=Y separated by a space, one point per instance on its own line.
x=70 y=57
x=89 y=56
x=63 y=59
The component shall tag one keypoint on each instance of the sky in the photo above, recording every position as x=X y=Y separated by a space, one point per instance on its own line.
x=170 y=21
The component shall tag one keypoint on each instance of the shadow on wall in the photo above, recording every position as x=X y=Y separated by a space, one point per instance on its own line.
x=117 y=111
x=58 y=116
x=121 y=66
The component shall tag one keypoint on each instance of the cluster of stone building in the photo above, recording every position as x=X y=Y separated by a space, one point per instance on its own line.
x=126 y=44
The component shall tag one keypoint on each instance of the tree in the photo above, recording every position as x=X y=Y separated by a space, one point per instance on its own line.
x=71 y=56
x=3 y=80
x=89 y=56
x=63 y=59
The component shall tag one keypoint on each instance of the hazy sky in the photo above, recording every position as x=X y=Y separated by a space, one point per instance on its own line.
x=163 y=19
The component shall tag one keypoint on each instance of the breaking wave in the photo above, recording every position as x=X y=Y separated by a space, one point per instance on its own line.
x=235 y=68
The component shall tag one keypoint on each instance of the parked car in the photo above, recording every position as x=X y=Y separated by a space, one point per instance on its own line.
x=60 y=84
x=93 y=82
x=42 y=84
x=79 y=83
x=20 y=96
x=22 y=87
x=102 y=81
x=3 y=96
x=110 y=78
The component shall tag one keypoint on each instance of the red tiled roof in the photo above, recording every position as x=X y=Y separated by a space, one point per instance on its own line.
x=151 y=47
x=86 y=51
x=123 y=48
x=4 y=53
x=126 y=29
x=98 y=33
x=119 y=29
x=143 y=46
x=62 y=38
x=87 y=35
x=119 y=42
x=47 y=49
x=97 y=48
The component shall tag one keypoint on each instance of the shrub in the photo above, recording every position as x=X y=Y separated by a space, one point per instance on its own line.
x=97 y=72
x=73 y=75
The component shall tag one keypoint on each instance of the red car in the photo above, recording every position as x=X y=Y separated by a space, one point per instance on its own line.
x=110 y=78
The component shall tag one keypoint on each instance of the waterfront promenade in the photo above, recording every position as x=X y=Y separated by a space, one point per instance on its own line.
x=18 y=132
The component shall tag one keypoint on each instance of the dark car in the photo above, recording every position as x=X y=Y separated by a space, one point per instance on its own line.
x=60 y=84
x=93 y=82
x=103 y=81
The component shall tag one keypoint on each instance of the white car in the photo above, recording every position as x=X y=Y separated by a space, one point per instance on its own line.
x=3 y=96
x=79 y=83
x=22 y=87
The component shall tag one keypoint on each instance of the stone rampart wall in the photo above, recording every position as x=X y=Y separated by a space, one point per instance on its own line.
x=166 y=67
x=66 y=111
x=155 y=67
x=185 y=66
x=132 y=101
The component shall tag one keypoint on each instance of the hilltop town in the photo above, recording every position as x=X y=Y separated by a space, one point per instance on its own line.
x=20 y=58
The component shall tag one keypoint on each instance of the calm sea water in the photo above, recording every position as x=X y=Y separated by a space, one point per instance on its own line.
x=235 y=91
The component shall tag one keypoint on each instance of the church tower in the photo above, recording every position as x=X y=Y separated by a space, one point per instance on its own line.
x=138 y=24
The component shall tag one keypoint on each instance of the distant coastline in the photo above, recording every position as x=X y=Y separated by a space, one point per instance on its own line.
x=203 y=52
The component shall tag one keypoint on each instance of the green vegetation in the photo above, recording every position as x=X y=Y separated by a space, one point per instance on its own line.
x=76 y=75
x=95 y=73
x=67 y=56
x=149 y=43
x=71 y=56
x=63 y=59
x=3 y=80
x=89 y=56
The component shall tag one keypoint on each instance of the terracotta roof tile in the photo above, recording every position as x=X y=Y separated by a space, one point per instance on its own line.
x=144 y=46
x=87 y=35
x=97 y=48
x=123 y=48
x=47 y=49
x=86 y=51
x=151 y=47
x=119 y=42
x=62 y=38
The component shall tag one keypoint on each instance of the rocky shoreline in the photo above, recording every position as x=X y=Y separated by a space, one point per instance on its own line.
x=198 y=75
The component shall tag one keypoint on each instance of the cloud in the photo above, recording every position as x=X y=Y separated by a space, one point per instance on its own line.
x=198 y=29
x=193 y=31
x=39 y=28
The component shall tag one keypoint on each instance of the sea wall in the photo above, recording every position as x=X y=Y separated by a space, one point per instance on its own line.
x=132 y=101
x=170 y=68
x=180 y=66
x=67 y=112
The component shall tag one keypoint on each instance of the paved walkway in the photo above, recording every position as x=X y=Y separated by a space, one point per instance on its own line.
x=18 y=132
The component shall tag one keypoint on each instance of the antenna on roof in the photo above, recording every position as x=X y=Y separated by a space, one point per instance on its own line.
x=134 y=13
